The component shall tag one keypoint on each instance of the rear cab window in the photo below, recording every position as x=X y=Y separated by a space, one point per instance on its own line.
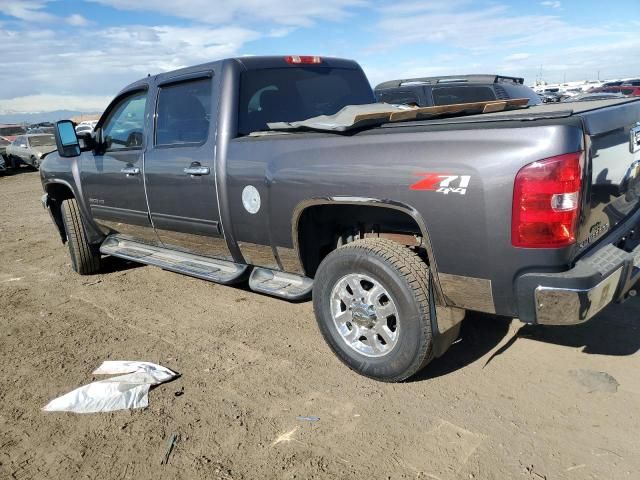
x=293 y=94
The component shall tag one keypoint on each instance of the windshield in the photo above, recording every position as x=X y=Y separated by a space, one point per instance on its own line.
x=13 y=130
x=292 y=94
x=40 y=140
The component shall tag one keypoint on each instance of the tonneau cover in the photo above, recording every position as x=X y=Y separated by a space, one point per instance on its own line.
x=593 y=125
x=353 y=117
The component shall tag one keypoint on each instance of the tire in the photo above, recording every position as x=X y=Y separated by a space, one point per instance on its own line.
x=85 y=258
x=35 y=163
x=389 y=335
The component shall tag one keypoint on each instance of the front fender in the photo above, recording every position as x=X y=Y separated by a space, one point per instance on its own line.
x=57 y=173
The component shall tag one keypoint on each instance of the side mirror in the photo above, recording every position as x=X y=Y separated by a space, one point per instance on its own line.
x=66 y=139
x=86 y=141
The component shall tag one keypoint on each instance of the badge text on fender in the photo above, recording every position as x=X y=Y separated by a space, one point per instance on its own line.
x=442 y=183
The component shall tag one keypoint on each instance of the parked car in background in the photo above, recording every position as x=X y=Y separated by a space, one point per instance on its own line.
x=3 y=145
x=550 y=97
x=42 y=127
x=3 y=149
x=84 y=128
x=10 y=131
x=612 y=83
x=32 y=130
x=435 y=91
x=30 y=149
x=585 y=97
x=622 y=90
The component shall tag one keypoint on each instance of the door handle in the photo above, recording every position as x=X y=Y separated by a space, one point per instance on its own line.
x=197 y=170
x=130 y=171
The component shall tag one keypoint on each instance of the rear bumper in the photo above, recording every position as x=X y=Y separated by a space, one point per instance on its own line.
x=604 y=276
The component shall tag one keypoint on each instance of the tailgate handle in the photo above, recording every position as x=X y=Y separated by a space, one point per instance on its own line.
x=195 y=170
x=130 y=171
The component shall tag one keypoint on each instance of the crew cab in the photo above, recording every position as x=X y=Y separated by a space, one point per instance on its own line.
x=30 y=149
x=395 y=229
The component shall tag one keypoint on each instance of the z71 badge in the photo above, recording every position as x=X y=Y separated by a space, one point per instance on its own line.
x=442 y=183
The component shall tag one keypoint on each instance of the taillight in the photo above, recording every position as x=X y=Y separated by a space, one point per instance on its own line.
x=303 y=59
x=546 y=202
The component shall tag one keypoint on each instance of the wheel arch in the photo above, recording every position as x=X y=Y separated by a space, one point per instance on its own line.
x=391 y=207
x=57 y=192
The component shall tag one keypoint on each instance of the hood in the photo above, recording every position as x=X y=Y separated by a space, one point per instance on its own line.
x=44 y=149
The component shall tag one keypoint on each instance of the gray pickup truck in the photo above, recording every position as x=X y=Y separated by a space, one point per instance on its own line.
x=396 y=229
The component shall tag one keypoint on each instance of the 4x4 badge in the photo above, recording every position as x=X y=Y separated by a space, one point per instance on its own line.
x=442 y=183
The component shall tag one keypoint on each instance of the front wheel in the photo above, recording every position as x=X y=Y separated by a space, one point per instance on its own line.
x=371 y=300
x=85 y=258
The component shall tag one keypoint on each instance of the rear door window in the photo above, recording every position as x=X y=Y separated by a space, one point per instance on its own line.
x=184 y=113
x=462 y=94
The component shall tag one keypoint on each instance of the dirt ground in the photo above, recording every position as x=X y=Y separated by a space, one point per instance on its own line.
x=507 y=401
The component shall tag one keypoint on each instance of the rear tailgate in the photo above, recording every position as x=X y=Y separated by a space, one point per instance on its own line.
x=613 y=164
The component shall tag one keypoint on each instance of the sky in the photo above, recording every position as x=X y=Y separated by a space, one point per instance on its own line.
x=76 y=54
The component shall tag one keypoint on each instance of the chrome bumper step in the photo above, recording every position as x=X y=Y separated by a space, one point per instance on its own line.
x=280 y=284
x=214 y=270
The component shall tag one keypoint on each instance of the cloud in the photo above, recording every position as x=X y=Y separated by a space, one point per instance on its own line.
x=50 y=102
x=27 y=10
x=608 y=59
x=474 y=27
x=297 y=13
x=51 y=63
x=77 y=20
x=516 y=56
x=62 y=63
x=551 y=4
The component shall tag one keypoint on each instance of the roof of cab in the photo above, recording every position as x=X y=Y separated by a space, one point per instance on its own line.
x=248 y=63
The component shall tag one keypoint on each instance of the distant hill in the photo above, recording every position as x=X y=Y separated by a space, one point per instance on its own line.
x=37 y=117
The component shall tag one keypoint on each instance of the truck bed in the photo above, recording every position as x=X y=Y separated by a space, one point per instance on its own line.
x=535 y=112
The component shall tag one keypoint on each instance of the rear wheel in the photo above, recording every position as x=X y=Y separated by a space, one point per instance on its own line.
x=371 y=300
x=85 y=258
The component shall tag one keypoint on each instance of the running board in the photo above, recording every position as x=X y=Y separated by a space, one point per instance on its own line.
x=280 y=284
x=214 y=270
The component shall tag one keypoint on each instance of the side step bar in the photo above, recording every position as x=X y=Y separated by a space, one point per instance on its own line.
x=214 y=270
x=280 y=284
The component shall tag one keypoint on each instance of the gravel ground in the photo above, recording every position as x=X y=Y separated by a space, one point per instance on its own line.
x=507 y=401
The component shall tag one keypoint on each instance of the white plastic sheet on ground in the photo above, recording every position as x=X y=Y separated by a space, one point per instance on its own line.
x=115 y=393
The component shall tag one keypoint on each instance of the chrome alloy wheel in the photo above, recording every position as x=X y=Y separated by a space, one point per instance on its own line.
x=365 y=315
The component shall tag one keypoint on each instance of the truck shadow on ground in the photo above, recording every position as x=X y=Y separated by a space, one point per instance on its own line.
x=110 y=264
x=613 y=332
x=10 y=172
